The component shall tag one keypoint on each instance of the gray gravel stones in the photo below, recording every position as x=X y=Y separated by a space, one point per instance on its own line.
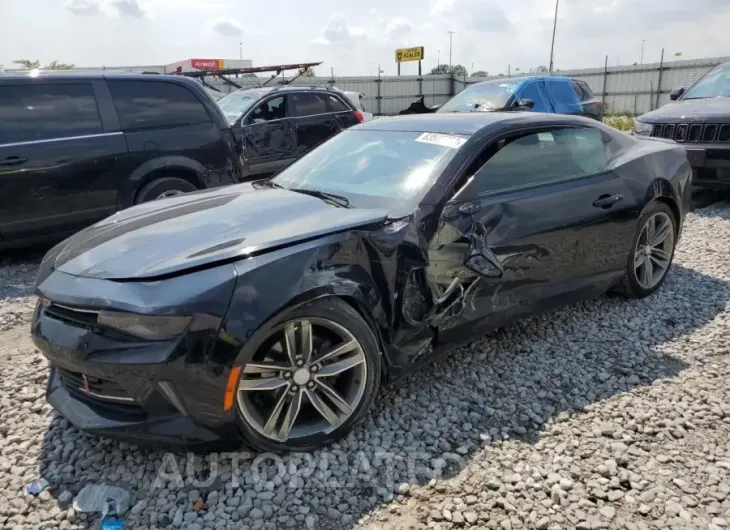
x=606 y=414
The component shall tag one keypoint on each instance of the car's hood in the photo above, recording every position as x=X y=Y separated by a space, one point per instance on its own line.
x=167 y=236
x=710 y=110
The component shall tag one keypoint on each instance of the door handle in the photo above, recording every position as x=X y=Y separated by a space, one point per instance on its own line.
x=13 y=161
x=606 y=201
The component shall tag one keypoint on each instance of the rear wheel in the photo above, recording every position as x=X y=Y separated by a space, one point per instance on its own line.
x=163 y=188
x=652 y=252
x=314 y=375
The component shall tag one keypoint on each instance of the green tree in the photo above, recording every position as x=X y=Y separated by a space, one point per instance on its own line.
x=541 y=69
x=307 y=72
x=480 y=73
x=55 y=65
x=25 y=63
x=457 y=70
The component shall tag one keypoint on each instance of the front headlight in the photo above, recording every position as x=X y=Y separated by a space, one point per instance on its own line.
x=144 y=326
x=642 y=129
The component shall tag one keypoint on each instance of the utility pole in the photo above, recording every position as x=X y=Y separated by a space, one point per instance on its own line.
x=552 y=46
x=642 y=51
x=451 y=34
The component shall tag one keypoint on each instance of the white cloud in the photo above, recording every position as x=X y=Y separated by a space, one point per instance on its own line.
x=83 y=7
x=398 y=28
x=226 y=27
x=129 y=8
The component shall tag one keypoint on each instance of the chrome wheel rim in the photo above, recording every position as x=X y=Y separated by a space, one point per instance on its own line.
x=307 y=379
x=654 y=249
x=169 y=193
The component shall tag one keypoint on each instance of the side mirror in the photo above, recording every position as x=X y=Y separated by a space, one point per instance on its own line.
x=677 y=93
x=529 y=103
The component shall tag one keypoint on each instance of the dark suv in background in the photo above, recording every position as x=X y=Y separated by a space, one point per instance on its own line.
x=699 y=119
x=277 y=125
x=76 y=148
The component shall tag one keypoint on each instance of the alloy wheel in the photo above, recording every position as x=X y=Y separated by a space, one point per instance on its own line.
x=169 y=193
x=654 y=250
x=307 y=379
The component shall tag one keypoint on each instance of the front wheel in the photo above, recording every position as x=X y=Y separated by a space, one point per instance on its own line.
x=314 y=375
x=163 y=188
x=652 y=252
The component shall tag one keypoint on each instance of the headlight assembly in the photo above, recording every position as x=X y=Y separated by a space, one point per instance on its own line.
x=642 y=129
x=144 y=326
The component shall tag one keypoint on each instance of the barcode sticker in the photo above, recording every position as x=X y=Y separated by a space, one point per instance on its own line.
x=444 y=140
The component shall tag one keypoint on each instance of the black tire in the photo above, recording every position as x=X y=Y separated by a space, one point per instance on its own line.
x=629 y=285
x=338 y=311
x=153 y=190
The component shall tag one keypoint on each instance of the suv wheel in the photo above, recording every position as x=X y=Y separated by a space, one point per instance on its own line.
x=163 y=188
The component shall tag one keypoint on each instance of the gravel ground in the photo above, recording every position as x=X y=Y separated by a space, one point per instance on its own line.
x=607 y=414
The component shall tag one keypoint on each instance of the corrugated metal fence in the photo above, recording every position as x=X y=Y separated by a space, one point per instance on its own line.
x=625 y=89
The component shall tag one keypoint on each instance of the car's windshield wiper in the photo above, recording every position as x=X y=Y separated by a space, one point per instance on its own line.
x=339 y=200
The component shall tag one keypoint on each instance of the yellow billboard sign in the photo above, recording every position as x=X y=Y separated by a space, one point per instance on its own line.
x=405 y=55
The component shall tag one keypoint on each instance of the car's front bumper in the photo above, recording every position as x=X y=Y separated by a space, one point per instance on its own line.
x=710 y=164
x=111 y=384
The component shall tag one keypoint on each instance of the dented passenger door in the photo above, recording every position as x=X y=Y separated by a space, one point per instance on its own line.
x=542 y=223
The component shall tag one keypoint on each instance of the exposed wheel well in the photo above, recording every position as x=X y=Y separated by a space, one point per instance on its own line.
x=177 y=172
x=673 y=206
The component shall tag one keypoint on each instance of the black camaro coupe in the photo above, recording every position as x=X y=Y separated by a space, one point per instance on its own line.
x=272 y=310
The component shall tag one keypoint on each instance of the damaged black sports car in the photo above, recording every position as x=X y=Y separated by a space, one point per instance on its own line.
x=272 y=310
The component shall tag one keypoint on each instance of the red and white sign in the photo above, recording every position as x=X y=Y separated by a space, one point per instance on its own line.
x=206 y=64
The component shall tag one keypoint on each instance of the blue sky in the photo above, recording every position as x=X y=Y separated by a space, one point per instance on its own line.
x=353 y=38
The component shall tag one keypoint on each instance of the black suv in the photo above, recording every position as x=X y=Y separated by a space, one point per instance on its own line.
x=77 y=148
x=699 y=119
x=277 y=125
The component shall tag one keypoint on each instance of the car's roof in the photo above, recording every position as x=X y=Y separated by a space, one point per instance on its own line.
x=465 y=123
x=91 y=76
x=518 y=80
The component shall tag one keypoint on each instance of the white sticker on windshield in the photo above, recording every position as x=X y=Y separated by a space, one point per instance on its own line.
x=444 y=140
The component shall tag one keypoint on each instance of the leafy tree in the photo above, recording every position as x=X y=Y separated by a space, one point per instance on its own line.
x=53 y=65
x=307 y=72
x=440 y=69
x=541 y=69
x=480 y=73
x=25 y=63
x=457 y=70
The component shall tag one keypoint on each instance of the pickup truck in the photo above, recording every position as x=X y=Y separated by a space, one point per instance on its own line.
x=554 y=94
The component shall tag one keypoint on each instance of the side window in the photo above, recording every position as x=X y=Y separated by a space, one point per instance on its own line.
x=587 y=90
x=308 y=104
x=335 y=104
x=541 y=158
x=154 y=104
x=271 y=109
x=33 y=112
x=579 y=91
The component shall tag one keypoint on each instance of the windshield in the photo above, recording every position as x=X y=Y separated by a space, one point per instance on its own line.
x=715 y=83
x=236 y=103
x=374 y=168
x=482 y=96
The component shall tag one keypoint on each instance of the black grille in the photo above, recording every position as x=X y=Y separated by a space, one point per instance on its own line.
x=72 y=315
x=724 y=135
x=695 y=133
x=681 y=134
x=101 y=393
x=668 y=132
x=709 y=134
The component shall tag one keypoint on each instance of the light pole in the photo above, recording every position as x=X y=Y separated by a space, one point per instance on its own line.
x=438 y=62
x=642 y=51
x=451 y=34
x=552 y=46
x=240 y=50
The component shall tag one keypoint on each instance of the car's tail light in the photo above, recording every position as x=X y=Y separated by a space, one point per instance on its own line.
x=359 y=116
